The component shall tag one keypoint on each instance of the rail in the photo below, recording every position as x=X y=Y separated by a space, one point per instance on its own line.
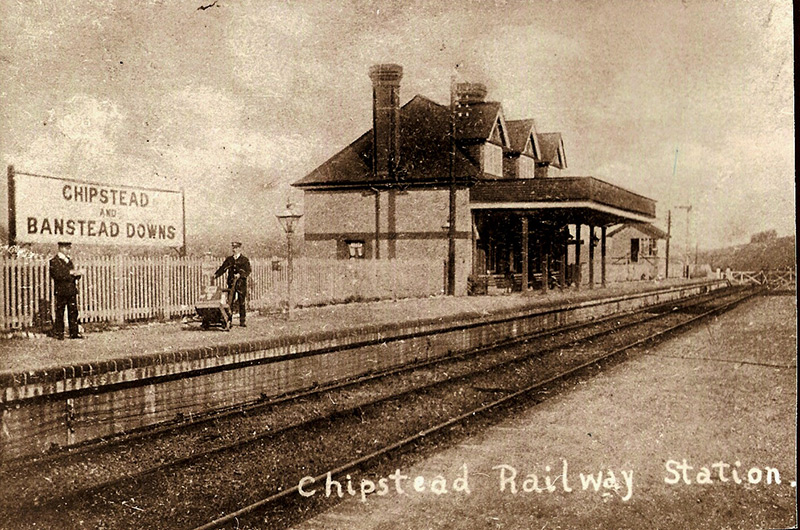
x=479 y=407
x=199 y=456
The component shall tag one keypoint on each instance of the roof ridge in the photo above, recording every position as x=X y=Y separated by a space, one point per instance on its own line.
x=426 y=98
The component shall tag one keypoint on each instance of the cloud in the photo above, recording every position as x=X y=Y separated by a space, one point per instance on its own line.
x=79 y=139
x=234 y=103
x=266 y=49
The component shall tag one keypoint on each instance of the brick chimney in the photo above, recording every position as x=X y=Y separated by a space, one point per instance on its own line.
x=385 y=118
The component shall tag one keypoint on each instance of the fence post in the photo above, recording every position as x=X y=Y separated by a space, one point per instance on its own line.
x=444 y=280
x=119 y=289
x=116 y=288
x=207 y=269
x=3 y=292
x=165 y=287
x=333 y=285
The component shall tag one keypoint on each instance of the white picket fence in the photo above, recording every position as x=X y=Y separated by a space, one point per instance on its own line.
x=123 y=289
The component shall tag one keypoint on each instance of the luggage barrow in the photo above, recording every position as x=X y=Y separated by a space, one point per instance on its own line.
x=213 y=308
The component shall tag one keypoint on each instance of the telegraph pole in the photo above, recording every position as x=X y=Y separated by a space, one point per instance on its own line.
x=687 y=249
x=12 y=208
x=669 y=235
x=451 y=225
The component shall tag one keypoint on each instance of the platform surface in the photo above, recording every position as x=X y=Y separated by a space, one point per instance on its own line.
x=44 y=353
x=723 y=393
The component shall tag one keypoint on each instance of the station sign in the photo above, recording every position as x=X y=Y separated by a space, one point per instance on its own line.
x=45 y=209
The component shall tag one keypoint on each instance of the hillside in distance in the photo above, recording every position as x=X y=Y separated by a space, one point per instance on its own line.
x=760 y=254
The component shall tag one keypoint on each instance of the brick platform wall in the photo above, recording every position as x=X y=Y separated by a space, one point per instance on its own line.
x=80 y=403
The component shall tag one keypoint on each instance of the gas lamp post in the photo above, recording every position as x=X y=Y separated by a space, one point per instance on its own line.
x=288 y=221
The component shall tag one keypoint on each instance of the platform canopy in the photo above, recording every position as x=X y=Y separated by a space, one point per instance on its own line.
x=584 y=200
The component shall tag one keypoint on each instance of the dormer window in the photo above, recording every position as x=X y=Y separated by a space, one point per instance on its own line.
x=527 y=167
x=531 y=148
x=498 y=134
x=493 y=160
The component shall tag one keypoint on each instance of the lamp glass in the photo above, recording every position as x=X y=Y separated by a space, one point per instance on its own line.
x=288 y=220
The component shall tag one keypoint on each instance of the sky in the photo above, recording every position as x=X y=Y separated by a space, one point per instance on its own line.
x=689 y=103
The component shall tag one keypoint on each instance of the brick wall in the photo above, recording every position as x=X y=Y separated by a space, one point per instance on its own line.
x=413 y=225
x=81 y=403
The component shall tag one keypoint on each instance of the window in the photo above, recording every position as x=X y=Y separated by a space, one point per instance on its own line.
x=493 y=159
x=527 y=167
x=649 y=246
x=355 y=249
x=645 y=247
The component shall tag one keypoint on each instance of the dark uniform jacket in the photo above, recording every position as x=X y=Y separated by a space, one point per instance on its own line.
x=241 y=266
x=63 y=281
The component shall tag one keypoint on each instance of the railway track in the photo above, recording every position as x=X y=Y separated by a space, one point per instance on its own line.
x=334 y=429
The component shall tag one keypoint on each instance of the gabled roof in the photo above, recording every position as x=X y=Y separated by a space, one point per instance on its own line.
x=477 y=121
x=552 y=149
x=519 y=132
x=647 y=229
x=424 y=152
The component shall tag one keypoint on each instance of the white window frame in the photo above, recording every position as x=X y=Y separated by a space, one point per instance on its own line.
x=355 y=249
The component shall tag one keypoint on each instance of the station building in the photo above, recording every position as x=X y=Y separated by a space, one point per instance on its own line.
x=637 y=251
x=388 y=194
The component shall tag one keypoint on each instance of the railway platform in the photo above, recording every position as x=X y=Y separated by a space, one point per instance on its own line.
x=63 y=393
x=41 y=353
x=698 y=432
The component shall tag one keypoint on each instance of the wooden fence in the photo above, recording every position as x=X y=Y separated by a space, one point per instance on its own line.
x=125 y=289
x=777 y=280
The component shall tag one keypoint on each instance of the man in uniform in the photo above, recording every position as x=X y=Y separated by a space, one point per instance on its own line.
x=64 y=275
x=238 y=268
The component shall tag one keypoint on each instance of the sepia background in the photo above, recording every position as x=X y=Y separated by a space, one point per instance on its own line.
x=686 y=102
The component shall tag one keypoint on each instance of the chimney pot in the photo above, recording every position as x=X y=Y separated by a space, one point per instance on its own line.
x=386 y=74
x=467 y=93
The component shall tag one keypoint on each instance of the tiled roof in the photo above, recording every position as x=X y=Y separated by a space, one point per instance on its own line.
x=562 y=190
x=518 y=133
x=350 y=165
x=424 y=153
x=476 y=120
x=647 y=229
x=550 y=144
